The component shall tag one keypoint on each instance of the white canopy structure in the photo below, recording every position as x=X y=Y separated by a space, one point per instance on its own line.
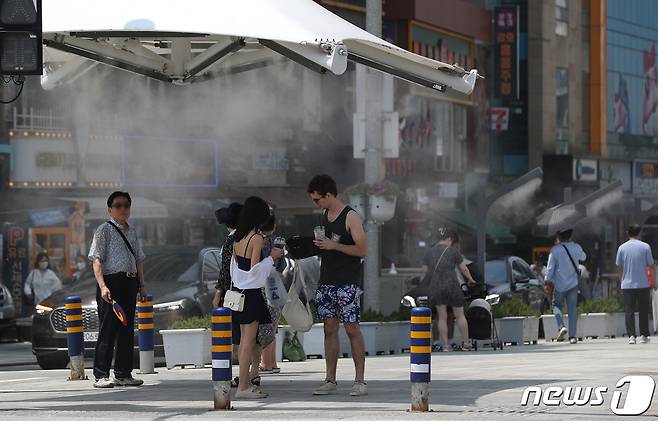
x=193 y=40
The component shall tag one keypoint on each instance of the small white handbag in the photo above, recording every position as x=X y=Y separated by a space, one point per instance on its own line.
x=234 y=300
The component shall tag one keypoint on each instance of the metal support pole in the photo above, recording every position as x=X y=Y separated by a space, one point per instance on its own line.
x=221 y=357
x=146 y=326
x=373 y=158
x=421 y=358
x=75 y=337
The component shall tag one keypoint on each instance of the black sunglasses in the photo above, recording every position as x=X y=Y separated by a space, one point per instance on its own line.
x=317 y=200
x=121 y=206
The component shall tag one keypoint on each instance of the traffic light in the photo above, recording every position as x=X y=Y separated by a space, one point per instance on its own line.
x=20 y=37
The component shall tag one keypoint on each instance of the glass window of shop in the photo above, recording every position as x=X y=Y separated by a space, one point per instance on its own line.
x=561 y=18
x=632 y=78
x=562 y=109
x=449 y=135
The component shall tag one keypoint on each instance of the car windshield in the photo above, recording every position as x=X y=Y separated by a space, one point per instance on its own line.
x=495 y=272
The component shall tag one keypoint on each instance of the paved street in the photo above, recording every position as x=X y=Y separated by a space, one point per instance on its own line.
x=477 y=385
x=17 y=356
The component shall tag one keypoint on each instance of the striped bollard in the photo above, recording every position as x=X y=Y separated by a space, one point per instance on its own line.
x=421 y=358
x=75 y=337
x=222 y=337
x=146 y=327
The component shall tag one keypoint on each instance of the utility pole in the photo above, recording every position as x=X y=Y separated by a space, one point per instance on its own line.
x=373 y=158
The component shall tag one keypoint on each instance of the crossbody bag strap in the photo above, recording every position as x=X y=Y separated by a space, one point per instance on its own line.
x=572 y=261
x=124 y=239
x=440 y=257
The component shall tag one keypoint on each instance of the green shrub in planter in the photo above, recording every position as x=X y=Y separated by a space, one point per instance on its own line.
x=375 y=316
x=513 y=308
x=193 y=323
x=601 y=305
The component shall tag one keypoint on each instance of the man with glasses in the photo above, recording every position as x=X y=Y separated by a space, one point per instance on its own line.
x=338 y=297
x=117 y=259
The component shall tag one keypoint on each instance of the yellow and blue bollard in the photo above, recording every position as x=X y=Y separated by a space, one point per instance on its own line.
x=146 y=327
x=222 y=338
x=75 y=339
x=421 y=358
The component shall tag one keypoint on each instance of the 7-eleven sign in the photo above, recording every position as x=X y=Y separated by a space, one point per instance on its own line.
x=499 y=118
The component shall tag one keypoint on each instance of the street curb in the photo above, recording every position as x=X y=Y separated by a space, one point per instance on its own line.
x=18 y=364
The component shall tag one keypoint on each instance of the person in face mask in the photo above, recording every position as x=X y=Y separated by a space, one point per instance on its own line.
x=80 y=266
x=42 y=282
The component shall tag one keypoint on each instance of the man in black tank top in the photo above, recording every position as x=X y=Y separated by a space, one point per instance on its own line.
x=339 y=295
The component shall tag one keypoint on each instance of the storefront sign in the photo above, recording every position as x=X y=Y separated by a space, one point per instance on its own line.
x=448 y=190
x=15 y=266
x=49 y=217
x=275 y=161
x=645 y=178
x=499 y=118
x=585 y=170
x=506 y=28
x=39 y=159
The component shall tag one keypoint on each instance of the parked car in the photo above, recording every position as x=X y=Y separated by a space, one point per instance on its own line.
x=7 y=310
x=181 y=280
x=508 y=277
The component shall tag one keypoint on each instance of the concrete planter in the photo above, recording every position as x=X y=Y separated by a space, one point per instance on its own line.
x=314 y=341
x=597 y=325
x=550 y=326
x=379 y=338
x=518 y=330
x=620 y=324
x=187 y=347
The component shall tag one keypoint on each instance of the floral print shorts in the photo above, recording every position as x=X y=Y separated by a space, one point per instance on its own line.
x=342 y=302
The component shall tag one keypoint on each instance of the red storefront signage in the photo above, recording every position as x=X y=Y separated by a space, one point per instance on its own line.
x=506 y=53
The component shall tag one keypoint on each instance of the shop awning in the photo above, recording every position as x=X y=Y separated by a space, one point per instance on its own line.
x=285 y=200
x=500 y=234
x=184 y=42
x=142 y=208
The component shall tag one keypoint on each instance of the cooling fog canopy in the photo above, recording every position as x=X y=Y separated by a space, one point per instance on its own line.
x=193 y=40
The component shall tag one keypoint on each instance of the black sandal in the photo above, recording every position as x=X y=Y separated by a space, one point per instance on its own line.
x=236 y=381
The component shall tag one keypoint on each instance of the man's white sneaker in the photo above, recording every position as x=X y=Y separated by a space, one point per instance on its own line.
x=631 y=340
x=644 y=339
x=328 y=388
x=359 y=389
x=104 y=383
x=562 y=334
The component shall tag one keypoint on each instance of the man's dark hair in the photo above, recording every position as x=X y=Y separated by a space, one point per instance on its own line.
x=445 y=233
x=254 y=215
x=322 y=184
x=634 y=230
x=565 y=236
x=110 y=200
x=229 y=216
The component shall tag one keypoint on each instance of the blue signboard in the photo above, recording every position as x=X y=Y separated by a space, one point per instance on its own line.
x=50 y=217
